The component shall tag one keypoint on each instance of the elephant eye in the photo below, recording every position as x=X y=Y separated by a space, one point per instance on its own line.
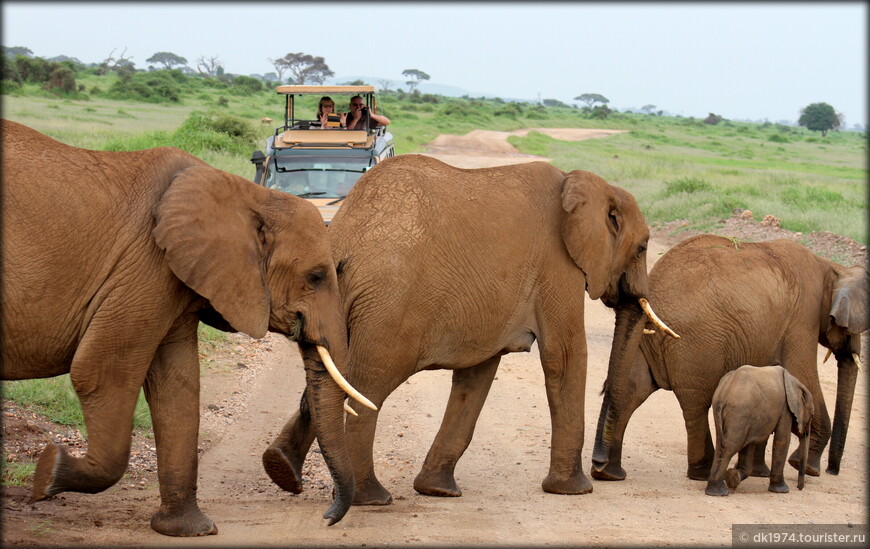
x=316 y=277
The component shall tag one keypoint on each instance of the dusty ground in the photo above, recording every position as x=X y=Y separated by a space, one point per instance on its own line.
x=251 y=386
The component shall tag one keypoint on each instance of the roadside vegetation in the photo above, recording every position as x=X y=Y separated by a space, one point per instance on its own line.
x=678 y=168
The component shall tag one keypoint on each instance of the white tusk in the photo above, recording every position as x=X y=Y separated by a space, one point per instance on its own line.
x=648 y=332
x=857 y=359
x=340 y=381
x=644 y=304
x=349 y=410
x=827 y=355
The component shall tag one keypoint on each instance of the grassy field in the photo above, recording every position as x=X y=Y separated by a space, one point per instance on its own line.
x=676 y=167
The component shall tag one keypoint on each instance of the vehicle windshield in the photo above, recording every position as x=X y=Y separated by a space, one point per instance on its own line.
x=315 y=176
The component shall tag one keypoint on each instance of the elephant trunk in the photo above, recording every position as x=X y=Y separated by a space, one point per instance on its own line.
x=617 y=386
x=803 y=450
x=326 y=402
x=847 y=375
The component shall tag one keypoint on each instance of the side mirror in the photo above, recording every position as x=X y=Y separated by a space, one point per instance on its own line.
x=258 y=159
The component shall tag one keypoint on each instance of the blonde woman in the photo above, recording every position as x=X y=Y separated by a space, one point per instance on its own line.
x=327 y=116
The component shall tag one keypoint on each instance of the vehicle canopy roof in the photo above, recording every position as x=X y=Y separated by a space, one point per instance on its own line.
x=324 y=90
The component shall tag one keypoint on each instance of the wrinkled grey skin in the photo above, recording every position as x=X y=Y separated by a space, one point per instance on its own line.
x=749 y=404
x=733 y=304
x=109 y=262
x=445 y=268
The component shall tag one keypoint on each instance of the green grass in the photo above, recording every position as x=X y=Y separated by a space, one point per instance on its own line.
x=55 y=399
x=17 y=474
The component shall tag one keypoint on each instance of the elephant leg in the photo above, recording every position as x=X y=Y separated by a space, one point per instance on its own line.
x=565 y=377
x=107 y=381
x=745 y=464
x=607 y=462
x=781 y=437
x=172 y=390
x=467 y=395
x=360 y=432
x=699 y=445
x=283 y=459
x=756 y=466
x=719 y=472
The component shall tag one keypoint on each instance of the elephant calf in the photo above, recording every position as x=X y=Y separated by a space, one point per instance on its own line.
x=749 y=404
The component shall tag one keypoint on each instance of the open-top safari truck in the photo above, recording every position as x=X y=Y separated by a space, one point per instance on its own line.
x=318 y=164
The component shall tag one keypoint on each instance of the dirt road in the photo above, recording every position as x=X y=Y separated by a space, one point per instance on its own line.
x=500 y=474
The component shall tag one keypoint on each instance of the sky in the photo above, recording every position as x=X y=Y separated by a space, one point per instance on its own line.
x=740 y=60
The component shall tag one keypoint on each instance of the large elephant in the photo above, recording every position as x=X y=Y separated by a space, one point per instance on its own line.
x=448 y=268
x=734 y=303
x=109 y=262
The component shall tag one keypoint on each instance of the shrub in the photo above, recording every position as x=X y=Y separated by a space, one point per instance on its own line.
x=686 y=185
x=777 y=138
x=713 y=119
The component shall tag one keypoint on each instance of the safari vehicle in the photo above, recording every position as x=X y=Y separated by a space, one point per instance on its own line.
x=321 y=165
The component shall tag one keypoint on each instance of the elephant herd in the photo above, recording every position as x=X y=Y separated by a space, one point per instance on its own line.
x=110 y=261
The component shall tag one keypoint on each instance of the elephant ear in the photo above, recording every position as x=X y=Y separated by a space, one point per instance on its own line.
x=849 y=300
x=590 y=228
x=800 y=401
x=214 y=244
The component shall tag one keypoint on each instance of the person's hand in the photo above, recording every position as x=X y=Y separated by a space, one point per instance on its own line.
x=342 y=116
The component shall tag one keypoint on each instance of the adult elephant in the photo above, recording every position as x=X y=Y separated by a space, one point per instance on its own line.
x=734 y=303
x=447 y=268
x=109 y=262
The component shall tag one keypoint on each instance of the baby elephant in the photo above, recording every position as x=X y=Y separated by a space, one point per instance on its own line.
x=749 y=404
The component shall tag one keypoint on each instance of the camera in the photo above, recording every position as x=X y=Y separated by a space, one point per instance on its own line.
x=364 y=110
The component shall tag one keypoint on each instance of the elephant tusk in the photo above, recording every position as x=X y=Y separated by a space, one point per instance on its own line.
x=349 y=410
x=340 y=381
x=857 y=360
x=648 y=331
x=644 y=304
x=828 y=355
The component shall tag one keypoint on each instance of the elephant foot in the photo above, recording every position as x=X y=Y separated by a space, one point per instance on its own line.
x=189 y=521
x=814 y=465
x=50 y=460
x=698 y=472
x=833 y=469
x=570 y=485
x=779 y=487
x=433 y=483
x=371 y=493
x=281 y=470
x=733 y=478
x=716 y=488
x=607 y=471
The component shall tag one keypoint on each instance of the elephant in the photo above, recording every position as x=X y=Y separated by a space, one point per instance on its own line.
x=448 y=268
x=749 y=404
x=111 y=259
x=734 y=303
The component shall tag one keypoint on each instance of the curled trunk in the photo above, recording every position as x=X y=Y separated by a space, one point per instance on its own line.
x=613 y=419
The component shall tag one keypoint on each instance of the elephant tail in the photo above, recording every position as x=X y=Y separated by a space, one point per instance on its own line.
x=718 y=419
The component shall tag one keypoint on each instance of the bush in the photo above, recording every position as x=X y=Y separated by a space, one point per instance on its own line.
x=777 y=138
x=686 y=185
x=245 y=85
x=713 y=119
x=152 y=87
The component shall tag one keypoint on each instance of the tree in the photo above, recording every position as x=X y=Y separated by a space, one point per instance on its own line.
x=385 y=84
x=303 y=67
x=167 y=59
x=208 y=66
x=819 y=117
x=415 y=78
x=111 y=63
x=592 y=98
x=13 y=51
x=648 y=108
